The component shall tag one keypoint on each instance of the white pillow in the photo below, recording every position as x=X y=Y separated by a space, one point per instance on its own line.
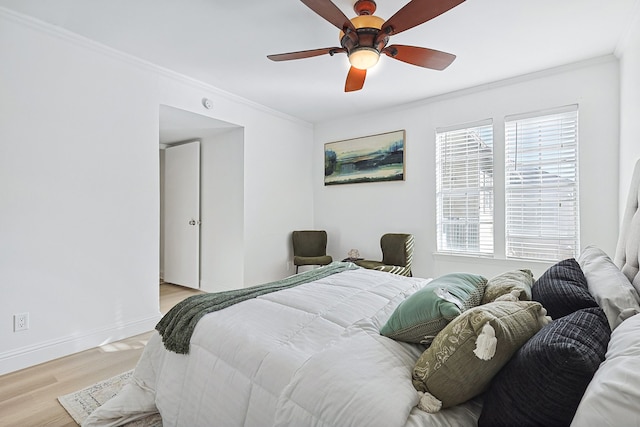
x=609 y=286
x=612 y=397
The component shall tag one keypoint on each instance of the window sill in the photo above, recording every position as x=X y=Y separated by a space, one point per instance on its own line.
x=448 y=262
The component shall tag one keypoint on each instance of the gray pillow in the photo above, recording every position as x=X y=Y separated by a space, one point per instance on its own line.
x=612 y=290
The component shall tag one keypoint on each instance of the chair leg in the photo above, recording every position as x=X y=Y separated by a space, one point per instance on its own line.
x=296 y=269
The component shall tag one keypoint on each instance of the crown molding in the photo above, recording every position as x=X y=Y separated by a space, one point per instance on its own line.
x=87 y=43
x=625 y=39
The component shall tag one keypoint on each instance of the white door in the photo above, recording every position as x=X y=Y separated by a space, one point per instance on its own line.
x=182 y=215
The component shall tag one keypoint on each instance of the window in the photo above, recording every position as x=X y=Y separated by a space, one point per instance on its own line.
x=464 y=189
x=541 y=185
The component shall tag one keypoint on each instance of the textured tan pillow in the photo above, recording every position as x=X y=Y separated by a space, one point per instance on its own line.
x=451 y=371
x=504 y=283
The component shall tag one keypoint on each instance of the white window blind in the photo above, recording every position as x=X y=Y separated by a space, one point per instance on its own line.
x=541 y=185
x=464 y=189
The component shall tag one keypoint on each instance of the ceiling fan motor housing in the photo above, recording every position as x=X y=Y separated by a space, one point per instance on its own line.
x=367 y=30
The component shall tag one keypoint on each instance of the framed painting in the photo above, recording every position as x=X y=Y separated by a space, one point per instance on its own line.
x=368 y=159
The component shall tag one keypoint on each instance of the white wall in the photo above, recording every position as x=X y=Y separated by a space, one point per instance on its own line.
x=79 y=189
x=79 y=197
x=629 y=106
x=356 y=215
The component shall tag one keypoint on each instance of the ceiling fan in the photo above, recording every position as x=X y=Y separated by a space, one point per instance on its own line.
x=365 y=37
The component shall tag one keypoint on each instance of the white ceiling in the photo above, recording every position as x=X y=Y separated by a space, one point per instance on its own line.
x=225 y=43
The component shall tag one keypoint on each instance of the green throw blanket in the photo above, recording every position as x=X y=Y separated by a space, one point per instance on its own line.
x=177 y=326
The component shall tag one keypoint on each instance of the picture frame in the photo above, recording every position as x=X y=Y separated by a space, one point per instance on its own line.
x=372 y=158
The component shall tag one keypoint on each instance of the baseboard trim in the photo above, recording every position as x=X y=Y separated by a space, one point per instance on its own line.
x=25 y=357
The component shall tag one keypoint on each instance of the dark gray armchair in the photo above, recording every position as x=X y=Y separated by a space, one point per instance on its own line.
x=397 y=255
x=310 y=248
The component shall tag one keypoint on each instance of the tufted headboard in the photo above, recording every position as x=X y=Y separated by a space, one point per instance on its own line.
x=627 y=256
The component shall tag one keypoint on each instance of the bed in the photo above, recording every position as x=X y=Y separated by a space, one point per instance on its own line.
x=362 y=347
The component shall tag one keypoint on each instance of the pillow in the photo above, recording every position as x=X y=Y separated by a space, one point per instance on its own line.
x=456 y=367
x=502 y=284
x=611 y=289
x=613 y=394
x=562 y=289
x=543 y=383
x=421 y=316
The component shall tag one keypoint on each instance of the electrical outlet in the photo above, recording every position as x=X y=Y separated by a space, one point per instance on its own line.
x=20 y=322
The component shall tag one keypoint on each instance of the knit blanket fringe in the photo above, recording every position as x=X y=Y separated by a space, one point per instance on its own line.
x=177 y=326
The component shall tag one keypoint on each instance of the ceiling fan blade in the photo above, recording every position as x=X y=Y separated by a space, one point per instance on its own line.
x=331 y=13
x=416 y=12
x=420 y=56
x=305 y=54
x=355 y=79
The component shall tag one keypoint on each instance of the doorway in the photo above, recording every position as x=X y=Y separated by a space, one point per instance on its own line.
x=221 y=217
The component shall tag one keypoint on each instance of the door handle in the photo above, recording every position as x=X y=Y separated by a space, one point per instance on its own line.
x=192 y=222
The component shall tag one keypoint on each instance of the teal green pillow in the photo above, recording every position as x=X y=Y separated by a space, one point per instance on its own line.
x=419 y=318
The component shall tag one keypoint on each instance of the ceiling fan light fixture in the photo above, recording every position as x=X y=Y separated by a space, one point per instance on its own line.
x=364 y=58
x=367 y=21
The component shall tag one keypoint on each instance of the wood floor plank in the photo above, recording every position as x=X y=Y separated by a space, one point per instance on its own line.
x=29 y=397
x=19 y=387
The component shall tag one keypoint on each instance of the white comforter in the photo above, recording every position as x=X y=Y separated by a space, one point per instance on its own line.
x=307 y=356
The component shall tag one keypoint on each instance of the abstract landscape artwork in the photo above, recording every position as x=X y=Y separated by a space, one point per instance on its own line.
x=368 y=159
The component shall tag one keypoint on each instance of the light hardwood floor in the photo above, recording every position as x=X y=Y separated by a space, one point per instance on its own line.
x=29 y=397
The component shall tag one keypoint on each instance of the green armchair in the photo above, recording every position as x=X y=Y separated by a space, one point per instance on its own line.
x=310 y=248
x=397 y=255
